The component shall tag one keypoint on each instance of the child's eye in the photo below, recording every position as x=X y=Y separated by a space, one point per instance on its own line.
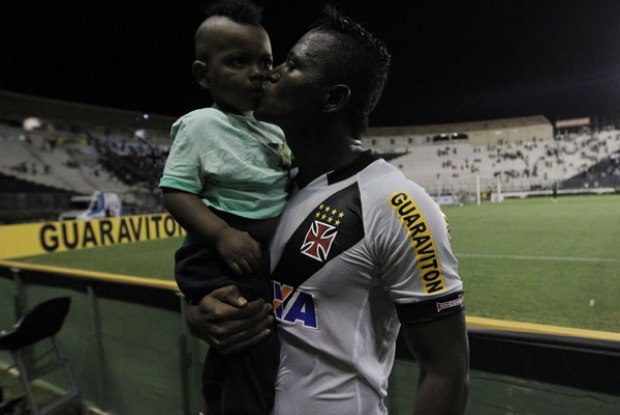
x=238 y=62
x=268 y=63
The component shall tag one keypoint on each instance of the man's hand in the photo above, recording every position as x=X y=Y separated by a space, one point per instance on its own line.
x=240 y=251
x=229 y=323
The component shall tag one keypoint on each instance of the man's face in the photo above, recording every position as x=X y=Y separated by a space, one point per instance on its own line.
x=295 y=94
x=238 y=61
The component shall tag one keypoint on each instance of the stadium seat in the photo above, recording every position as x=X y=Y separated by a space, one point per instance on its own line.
x=40 y=325
x=8 y=407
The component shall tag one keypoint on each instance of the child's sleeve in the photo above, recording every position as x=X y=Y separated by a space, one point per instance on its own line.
x=182 y=168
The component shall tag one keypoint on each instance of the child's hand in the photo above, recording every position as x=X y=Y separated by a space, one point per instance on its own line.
x=240 y=251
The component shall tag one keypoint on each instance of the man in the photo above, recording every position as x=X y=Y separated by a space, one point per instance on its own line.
x=360 y=251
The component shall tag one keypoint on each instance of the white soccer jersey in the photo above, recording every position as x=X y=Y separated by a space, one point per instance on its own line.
x=356 y=251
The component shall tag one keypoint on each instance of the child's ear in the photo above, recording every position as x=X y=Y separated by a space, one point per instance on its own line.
x=336 y=98
x=201 y=73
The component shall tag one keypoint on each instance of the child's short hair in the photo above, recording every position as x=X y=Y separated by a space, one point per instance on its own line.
x=239 y=11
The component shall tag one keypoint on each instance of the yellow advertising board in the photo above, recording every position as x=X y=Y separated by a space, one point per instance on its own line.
x=47 y=237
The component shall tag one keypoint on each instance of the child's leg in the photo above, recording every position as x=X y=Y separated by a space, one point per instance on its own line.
x=246 y=379
x=242 y=383
x=199 y=270
x=248 y=383
x=212 y=383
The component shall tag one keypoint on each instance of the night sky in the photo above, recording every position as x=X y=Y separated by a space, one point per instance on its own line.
x=453 y=61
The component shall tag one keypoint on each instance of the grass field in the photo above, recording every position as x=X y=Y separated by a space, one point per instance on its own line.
x=531 y=260
x=541 y=261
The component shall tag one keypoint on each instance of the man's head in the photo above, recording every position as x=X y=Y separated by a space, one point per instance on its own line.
x=233 y=55
x=336 y=68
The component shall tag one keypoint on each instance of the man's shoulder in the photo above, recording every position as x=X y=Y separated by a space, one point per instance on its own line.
x=380 y=182
x=380 y=177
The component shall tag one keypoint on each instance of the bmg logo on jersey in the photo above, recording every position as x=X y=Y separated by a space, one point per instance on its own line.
x=293 y=306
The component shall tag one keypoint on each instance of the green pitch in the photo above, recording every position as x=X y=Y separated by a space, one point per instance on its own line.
x=542 y=261
x=531 y=260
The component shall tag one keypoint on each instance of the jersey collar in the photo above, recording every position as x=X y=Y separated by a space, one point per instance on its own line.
x=354 y=167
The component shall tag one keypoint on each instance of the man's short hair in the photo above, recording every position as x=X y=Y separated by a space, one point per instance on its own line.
x=362 y=62
x=240 y=11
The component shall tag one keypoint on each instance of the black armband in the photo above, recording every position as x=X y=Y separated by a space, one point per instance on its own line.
x=428 y=310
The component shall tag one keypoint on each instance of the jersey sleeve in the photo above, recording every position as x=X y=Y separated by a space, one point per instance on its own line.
x=182 y=170
x=412 y=244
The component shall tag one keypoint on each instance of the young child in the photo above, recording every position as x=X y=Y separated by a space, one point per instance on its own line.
x=225 y=182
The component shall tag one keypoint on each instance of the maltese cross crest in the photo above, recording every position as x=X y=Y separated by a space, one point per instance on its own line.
x=321 y=235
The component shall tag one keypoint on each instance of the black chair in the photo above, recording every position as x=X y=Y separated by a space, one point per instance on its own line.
x=8 y=407
x=41 y=323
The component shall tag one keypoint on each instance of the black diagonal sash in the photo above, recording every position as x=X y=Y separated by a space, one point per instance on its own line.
x=333 y=226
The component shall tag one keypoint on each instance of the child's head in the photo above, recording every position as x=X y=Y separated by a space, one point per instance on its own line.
x=233 y=55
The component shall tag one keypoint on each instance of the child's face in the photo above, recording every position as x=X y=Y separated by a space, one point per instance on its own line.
x=238 y=60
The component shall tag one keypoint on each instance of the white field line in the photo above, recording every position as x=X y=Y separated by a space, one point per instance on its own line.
x=540 y=258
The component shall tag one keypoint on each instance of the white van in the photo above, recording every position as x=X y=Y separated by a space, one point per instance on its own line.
x=97 y=205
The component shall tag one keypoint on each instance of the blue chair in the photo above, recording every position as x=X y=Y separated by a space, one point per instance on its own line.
x=41 y=323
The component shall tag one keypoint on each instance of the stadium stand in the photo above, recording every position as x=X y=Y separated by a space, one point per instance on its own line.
x=113 y=151
x=66 y=147
x=518 y=160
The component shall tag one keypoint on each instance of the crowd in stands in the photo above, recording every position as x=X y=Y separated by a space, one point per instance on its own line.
x=133 y=162
x=85 y=159
x=518 y=165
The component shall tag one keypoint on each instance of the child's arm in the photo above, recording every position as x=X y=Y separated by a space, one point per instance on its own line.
x=241 y=253
x=261 y=230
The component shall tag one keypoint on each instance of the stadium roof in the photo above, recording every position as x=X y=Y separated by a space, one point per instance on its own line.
x=502 y=123
x=16 y=107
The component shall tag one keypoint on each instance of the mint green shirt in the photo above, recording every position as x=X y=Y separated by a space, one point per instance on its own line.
x=234 y=163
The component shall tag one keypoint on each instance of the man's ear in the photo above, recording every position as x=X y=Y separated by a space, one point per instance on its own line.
x=336 y=98
x=200 y=70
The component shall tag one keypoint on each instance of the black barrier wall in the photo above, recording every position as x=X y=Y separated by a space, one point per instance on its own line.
x=131 y=353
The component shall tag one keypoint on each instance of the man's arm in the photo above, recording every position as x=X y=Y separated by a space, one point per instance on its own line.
x=227 y=322
x=441 y=349
x=239 y=250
